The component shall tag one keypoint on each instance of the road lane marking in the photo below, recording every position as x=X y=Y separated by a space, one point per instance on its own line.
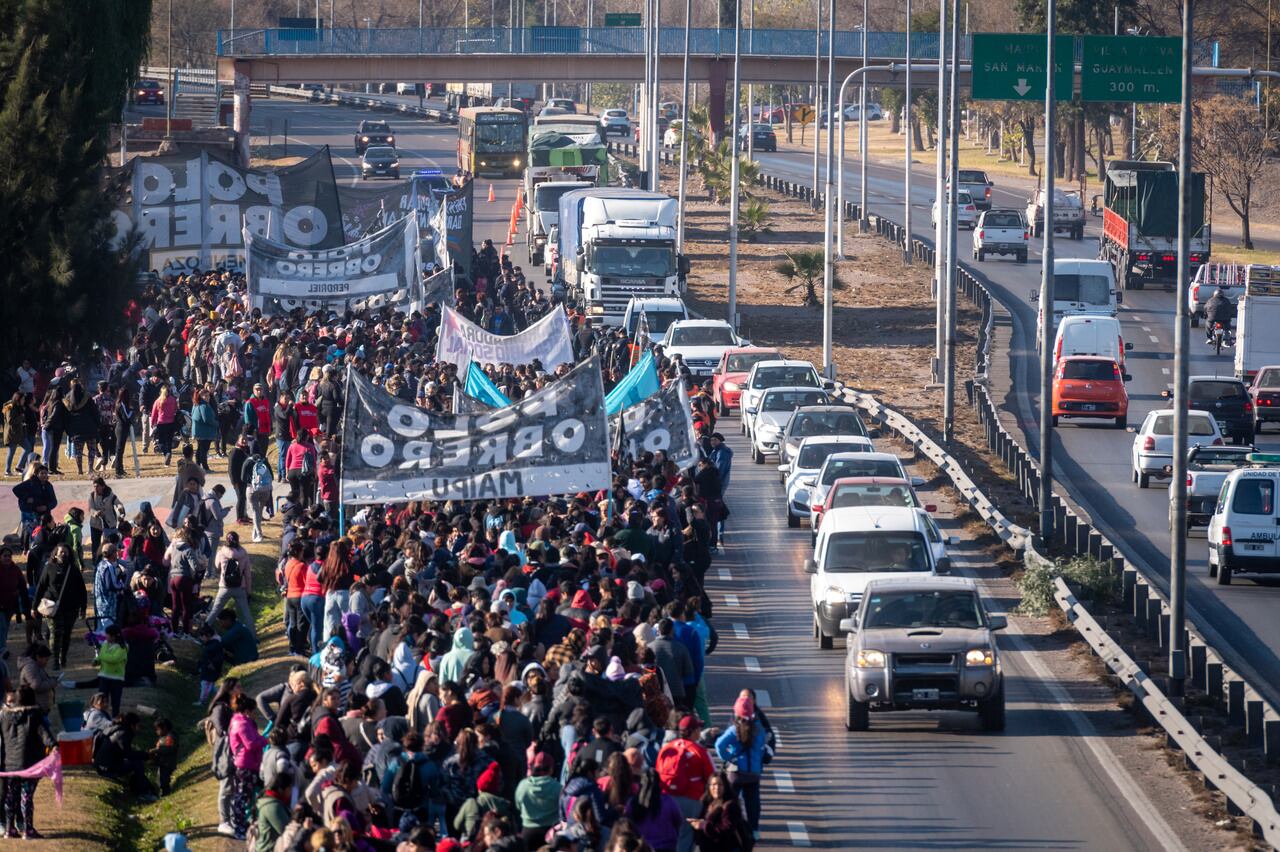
x=1137 y=318
x=1164 y=370
x=752 y=664
x=763 y=698
x=1154 y=339
x=1146 y=328
x=740 y=631
x=783 y=779
x=799 y=837
x=730 y=600
x=725 y=575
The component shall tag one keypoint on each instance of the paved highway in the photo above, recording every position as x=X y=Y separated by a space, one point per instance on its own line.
x=1093 y=462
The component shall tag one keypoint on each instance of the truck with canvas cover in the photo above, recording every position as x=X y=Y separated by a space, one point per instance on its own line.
x=1140 y=223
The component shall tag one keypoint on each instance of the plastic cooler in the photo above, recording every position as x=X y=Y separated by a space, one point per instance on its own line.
x=72 y=714
x=76 y=748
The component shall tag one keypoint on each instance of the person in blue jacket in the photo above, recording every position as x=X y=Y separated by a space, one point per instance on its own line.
x=204 y=427
x=742 y=747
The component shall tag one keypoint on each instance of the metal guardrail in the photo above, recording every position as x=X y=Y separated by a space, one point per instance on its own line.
x=1248 y=798
x=364 y=102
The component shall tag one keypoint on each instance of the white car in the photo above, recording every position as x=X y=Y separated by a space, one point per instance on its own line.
x=773 y=374
x=841 y=465
x=938 y=542
x=659 y=311
x=770 y=415
x=857 y=545
x=1153 y=443
x=966 y=212
x=818 y=420
x=1242 y=530
x=808 y=461
x=615 y=121
x=699 y=343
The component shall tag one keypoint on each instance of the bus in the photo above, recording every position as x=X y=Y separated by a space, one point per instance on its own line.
x=491 y=139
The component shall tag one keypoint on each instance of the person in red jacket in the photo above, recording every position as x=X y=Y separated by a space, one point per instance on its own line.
x=305 y=416
x=684 y=767
x=326 y=722
x=257 y=418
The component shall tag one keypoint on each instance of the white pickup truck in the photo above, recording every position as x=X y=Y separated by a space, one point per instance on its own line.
x=1001 y=231
x=1207 y=468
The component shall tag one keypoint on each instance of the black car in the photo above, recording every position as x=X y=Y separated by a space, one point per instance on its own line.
x=379 y=161
x=762 y=138
x=1227 y=400
x=372 y=133
x=147 y=92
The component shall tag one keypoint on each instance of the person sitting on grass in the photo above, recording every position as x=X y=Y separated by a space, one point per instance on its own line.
x=212 y=661
x=238 y=643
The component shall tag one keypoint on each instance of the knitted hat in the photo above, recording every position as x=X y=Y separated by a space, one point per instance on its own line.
x=490 y=781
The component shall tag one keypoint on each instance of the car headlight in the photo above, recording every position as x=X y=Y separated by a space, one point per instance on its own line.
x=364 y=138
x=391 y=140
x=834 y=595
x=868 y=659
x=733 y=386
x=516 y=162
x=980 y=657
x=767 y=431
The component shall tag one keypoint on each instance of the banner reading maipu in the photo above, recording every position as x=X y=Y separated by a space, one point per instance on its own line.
x=660 y=422
x=381 y=263
x=555 y=441
x=546 y=341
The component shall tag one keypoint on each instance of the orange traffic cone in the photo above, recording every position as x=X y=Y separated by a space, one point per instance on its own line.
x=491 y=195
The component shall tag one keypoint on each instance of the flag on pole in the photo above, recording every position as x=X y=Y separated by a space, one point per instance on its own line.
x=642 y=341
x=479 y=386
x=640 y=383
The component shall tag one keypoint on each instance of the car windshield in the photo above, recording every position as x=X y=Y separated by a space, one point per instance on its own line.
x=875 y=552
x=1093 y=371
x=791 y=400
x=808 y=423
x=744 y=362
x=375 y=127
x=1236 y=457
x=1254 y=497
x=493 y=137
x=1002 y=220
x=547 y=198
x=840 y=468
x=1269 y=379
x=1214 y=391
x=873 y=495
x=380 y=154
x=772 y=377
x=813 y=455
x=971 y=176
x=1163 y=425
x=638 y=261
x=659 y=321
x=1087 y=288
x=761 y=128
x=923 y=609
x=702 y=335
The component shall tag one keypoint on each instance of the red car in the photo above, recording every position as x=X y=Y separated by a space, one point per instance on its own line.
x=1265 y=391
x=147 y=92
x=869 y=491
x=731 y=372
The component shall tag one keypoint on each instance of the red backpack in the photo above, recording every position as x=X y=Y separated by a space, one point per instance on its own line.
x=680 y=768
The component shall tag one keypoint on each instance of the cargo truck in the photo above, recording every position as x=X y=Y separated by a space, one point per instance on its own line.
x=1140 y=223
x=542 y=214
x=459 y=95
x=1257 y=318
x=616 y=244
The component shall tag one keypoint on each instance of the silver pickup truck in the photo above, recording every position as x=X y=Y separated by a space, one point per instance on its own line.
x=1068 y=213
x=1207 y=468
x=977 y=184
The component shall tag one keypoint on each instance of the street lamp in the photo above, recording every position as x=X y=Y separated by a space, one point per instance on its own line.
x=862 y=110
x=733 y=168
x=828 y=272
x=817 y=91
x=684 y=129
x=906 y=166
x=953 y=215
x=1045 y=496
x=939 y=192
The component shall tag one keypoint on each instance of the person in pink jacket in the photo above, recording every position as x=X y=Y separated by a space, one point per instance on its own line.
x=164 y=421
x=300 y=464
x=247 y=746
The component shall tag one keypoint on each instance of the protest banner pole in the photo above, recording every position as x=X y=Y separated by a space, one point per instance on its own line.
x=342 y=428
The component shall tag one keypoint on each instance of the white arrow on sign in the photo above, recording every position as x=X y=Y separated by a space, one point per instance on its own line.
x=1022 y=88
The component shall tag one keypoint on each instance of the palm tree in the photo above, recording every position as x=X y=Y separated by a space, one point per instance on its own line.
x=804 y=269
x=753 y=218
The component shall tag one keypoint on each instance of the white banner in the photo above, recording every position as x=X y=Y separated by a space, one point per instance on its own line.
x=546 y=341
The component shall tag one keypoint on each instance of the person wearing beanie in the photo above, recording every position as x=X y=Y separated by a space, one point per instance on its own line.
x=615 y=670
x=742 y=748
x=488 y=798
x=537 y=797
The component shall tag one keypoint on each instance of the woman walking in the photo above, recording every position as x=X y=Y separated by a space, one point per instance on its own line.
x=235 y=579
x=183 y=559
x=26 y=739
x=204 y=427
x=53 y=419
x=335 y=580
x=312 y=601
x=742 y=750
x=300 y=467
x=721 y=826
x=15 y=433
x=246 y=754
x=125 y=415
x=105 y=513
x=164 y=422
x=221 y=713
x=61 y=596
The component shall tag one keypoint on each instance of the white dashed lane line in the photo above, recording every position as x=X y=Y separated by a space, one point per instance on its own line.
x=752 y=664
x=740 y=631
x=783 y=779
x=730 y=600
x=799 y=837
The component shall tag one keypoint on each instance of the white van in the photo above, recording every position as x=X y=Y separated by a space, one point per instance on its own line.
x=858 y=544
x=1244 y=531
x=1084 y=334
x=1080 y=287
x=660 y=312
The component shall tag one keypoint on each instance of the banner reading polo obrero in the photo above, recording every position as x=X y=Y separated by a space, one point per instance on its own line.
x=659 y=422
x=547 y=341
x=383 y=264
x=555 y=441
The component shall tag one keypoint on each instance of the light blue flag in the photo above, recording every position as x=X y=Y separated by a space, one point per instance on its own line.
x=640 y=383
x=479 y=386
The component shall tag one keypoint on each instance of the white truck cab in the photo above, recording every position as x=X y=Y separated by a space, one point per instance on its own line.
x=1080 y=287
x=1244 y=531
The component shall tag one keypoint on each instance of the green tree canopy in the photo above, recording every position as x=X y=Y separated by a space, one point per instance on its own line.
x=65 y=70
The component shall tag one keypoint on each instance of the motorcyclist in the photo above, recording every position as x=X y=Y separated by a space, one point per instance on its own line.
x=1219 y=309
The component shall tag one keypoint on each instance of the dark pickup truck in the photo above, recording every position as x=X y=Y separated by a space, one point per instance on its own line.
x=372 y=133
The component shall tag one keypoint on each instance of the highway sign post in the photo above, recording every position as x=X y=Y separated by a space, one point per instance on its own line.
x=1142 y=69
x=622 y=19
x=1011 y=66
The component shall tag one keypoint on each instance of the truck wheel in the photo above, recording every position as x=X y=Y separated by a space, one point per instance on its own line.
x=722 y=409
x=857 y=715
x=1213 y=570
x=1054 y=421
x=1144 y=479
x=825 y=642
x=982 y=255
x=792 y=521
x=1224 y=575
x=757 y=456
x=1022 y=257
x=991 y=713
x=1121 y=422
x=1135 y=282
x=1079 y=233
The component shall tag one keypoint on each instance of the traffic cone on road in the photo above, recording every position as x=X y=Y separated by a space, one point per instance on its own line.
x=492 y=198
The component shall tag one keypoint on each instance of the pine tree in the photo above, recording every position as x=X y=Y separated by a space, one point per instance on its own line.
x=65 y=71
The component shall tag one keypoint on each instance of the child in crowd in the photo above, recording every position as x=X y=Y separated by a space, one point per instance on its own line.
x=212 y=660
x=165 y=754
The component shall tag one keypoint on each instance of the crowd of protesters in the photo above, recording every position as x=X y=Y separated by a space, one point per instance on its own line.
x=503 y=674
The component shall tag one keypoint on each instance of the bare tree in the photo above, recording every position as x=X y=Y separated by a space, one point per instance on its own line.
x=1230 y=143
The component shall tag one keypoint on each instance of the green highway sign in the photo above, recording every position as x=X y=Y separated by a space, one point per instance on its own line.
x=1011 y=66
x=1145 y=69
x=622 y=19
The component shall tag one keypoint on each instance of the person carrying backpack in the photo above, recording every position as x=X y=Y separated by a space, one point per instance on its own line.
x=412 y=780
x=684 y=767
x=235 y=579
x=256 y=474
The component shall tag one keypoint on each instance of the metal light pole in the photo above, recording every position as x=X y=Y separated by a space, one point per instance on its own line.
x=1181 y=369
x=906 y=165
x=953 y=214
x=751 y=90
x=656 y=148
x=817 y=91
x=684 y=130
x=863 y=221
x=173 y=82
x=1046 y=288
x=733 y=169
x=939 y=193
x=642 y=109
x=828 y=273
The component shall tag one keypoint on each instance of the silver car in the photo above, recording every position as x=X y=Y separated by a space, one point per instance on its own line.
x=925 y=643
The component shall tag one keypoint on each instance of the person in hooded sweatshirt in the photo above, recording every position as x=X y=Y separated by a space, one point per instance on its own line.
x=537 y=799
x=488 y=799
x=454 y=663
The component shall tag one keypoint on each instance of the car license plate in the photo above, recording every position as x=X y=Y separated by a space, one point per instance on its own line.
x=1253 y=547
x=924 y=694
x=1088 y=406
